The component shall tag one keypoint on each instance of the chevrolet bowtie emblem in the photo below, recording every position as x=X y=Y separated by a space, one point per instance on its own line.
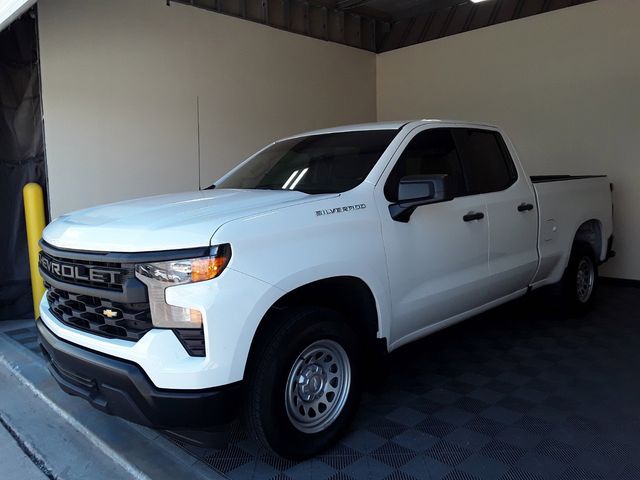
x=109 y=313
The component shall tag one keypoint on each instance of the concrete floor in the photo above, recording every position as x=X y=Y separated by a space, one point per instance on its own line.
x=70 y=439
x=15 y=463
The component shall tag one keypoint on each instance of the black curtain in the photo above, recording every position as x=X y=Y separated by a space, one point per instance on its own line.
x=21 y=158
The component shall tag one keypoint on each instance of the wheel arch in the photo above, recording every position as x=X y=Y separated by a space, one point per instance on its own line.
x=591 y=233
x=348 y=295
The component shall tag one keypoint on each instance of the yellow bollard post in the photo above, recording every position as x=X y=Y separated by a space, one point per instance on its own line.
x=34 y=218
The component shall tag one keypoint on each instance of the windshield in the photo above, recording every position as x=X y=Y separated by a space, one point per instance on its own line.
x=327 y=163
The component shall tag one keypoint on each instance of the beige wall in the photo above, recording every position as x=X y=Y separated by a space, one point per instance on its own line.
x=565 y=85
x=120 y=81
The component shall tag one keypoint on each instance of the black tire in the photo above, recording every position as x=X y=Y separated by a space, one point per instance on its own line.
x=578 y=296
x=266 y=414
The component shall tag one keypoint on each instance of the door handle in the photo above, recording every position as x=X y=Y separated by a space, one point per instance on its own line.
x=471 y=216
x=525 y=207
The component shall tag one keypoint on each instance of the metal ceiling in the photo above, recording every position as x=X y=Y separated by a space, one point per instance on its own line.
x=379 y=25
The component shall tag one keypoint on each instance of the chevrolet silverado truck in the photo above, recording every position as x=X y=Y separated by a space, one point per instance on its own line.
x=265 y=295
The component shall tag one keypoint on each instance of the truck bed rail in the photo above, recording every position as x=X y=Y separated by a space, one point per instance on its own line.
x=560 y=178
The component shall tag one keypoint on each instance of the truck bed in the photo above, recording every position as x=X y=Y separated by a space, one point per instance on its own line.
x=563 y=207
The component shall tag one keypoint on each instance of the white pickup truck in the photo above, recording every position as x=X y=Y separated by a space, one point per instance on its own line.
x=265 y=294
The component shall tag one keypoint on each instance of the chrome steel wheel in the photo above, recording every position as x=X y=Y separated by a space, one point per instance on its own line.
x=585 y=279
x=318 y=386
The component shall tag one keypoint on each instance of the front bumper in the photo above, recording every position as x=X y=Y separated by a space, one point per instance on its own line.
x=121 y=388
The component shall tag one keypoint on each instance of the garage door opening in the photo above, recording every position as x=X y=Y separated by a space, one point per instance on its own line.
x=21 y=157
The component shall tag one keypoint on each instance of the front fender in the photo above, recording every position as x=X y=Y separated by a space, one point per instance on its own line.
x=378 y=288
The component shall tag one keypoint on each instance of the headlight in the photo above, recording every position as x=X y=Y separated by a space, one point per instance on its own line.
x=161 y=275
x=177 y=272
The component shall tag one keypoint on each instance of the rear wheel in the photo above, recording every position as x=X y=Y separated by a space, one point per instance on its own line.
x=303 y=382
x=580 y=279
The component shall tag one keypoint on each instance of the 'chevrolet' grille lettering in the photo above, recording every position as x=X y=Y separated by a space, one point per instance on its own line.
x=66 y=271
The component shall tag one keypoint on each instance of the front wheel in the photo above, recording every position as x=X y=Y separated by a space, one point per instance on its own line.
x=303 y=383
x=580 y=278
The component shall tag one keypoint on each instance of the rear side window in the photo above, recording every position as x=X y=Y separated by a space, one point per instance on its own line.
x=485 y=159
x=431 y=152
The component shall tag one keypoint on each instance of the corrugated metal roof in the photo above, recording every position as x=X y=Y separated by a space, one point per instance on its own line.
x=380 y=25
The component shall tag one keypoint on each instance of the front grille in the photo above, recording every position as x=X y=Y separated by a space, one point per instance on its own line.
x=129 y=321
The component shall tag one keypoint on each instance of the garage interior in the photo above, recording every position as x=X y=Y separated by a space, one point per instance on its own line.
x=156 y=96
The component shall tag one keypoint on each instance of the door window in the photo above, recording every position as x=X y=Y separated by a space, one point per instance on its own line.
x=485 y=160
x=430 y=152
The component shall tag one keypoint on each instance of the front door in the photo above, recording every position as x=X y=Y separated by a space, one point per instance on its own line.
x=438 y=261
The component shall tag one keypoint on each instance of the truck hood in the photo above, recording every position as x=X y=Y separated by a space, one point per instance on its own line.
x=164 y=222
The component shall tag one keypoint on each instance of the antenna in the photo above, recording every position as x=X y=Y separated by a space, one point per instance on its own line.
x=198 y=133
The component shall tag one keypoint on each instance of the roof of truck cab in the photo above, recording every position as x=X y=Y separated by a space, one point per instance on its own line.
x=395 y=125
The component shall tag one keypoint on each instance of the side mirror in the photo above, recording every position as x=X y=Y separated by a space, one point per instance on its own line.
x=417 y=190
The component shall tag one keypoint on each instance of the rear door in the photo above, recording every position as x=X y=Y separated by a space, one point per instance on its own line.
x=491 y=172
